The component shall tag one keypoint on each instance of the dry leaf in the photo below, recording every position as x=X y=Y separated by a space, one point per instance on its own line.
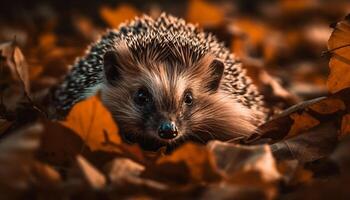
x=302 y=122
x=226 y=191
x=232 y=158
x=190 y=162
x=86 y=27
x=313 y=144
x=93 y=177
x=119 y=170
x=17 y=155
x=59 y=145
x=4 y=125
x=301 y=117
x=328 y=106
x=345 y=126
x=293 y=173
x=339 y=64
x=90 y=120
x=115 y=16
x=14 y=78
x=204 y=13
x=44 y=175
x=254 y=30
x=47 y=41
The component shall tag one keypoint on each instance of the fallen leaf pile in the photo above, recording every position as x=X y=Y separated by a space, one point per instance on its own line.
x=301 y=152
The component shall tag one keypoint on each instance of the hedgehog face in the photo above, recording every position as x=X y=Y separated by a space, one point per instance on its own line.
x=164 y=102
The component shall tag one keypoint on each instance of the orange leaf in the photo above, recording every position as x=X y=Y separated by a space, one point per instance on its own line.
x=339 y=46
x=302 y=122
x=114 y=17
x=345 y=126
x=204 y=13
x=90 y=120
x=198 y=159
x=328 y=106
x=256 y=31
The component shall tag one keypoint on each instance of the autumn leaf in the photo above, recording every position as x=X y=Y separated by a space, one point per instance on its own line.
x=345 y=126
x=14 y=76
x=339 y=64
x=4 y=125
x=123 y=168
x=17 y=155
x=115 y=16
x=189 y=158
x=92 y=175
x=45 y=174
x=59 y=145
x=90 y=120
x=328 y=106
x=233 y=158
x=204 y=13
x=312 y=144
x=302 y=122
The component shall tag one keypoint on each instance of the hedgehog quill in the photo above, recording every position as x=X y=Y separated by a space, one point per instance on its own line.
x=165 y=82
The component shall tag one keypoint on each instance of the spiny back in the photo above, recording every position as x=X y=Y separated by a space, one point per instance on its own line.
x=166 y=38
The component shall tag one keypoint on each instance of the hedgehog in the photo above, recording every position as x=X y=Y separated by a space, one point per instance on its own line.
x=165 y=82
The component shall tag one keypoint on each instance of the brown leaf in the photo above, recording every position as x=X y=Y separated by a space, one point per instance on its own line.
x=47 y=41
x=213 y=14
x=120 y=169
x=44 y=175
x=226 y=191
x=302 y=122
x=293 y=173
x=250 y=171
x=126 y=180
x=59 y=145
x=90 y=120
x=14 y=77
x=17 y=155
x=4 y=125
x=93 y=177
x=86 y=27
x=190 y=162
x=313 y=144
x=301 y=117
x=256 y=31
x=115 y=16
x=345 y=126
x=275 y=95
x=339 y=45
x=232 y=159
x=328 y=106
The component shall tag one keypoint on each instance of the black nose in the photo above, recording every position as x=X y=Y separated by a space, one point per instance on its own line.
x=167 y=130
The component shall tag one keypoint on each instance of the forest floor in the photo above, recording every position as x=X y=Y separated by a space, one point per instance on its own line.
x=297 y=53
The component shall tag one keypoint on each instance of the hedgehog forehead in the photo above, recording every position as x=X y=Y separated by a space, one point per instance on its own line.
x=165 y=83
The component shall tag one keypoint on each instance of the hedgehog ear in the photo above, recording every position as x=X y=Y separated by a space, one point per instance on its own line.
x=217 y=68
x=110 y=66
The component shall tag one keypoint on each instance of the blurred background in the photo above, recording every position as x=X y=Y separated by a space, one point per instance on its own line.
x=282 y=43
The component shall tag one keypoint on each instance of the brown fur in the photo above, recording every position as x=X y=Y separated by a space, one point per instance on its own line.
x=168 y=73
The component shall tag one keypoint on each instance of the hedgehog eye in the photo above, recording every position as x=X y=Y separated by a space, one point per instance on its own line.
x=142 y=97
x=188 y=98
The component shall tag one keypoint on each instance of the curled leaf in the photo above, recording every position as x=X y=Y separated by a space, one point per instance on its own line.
x=14 y=76
x=339 y=64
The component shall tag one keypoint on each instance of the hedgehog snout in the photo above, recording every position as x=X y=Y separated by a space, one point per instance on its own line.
x=168 y=130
